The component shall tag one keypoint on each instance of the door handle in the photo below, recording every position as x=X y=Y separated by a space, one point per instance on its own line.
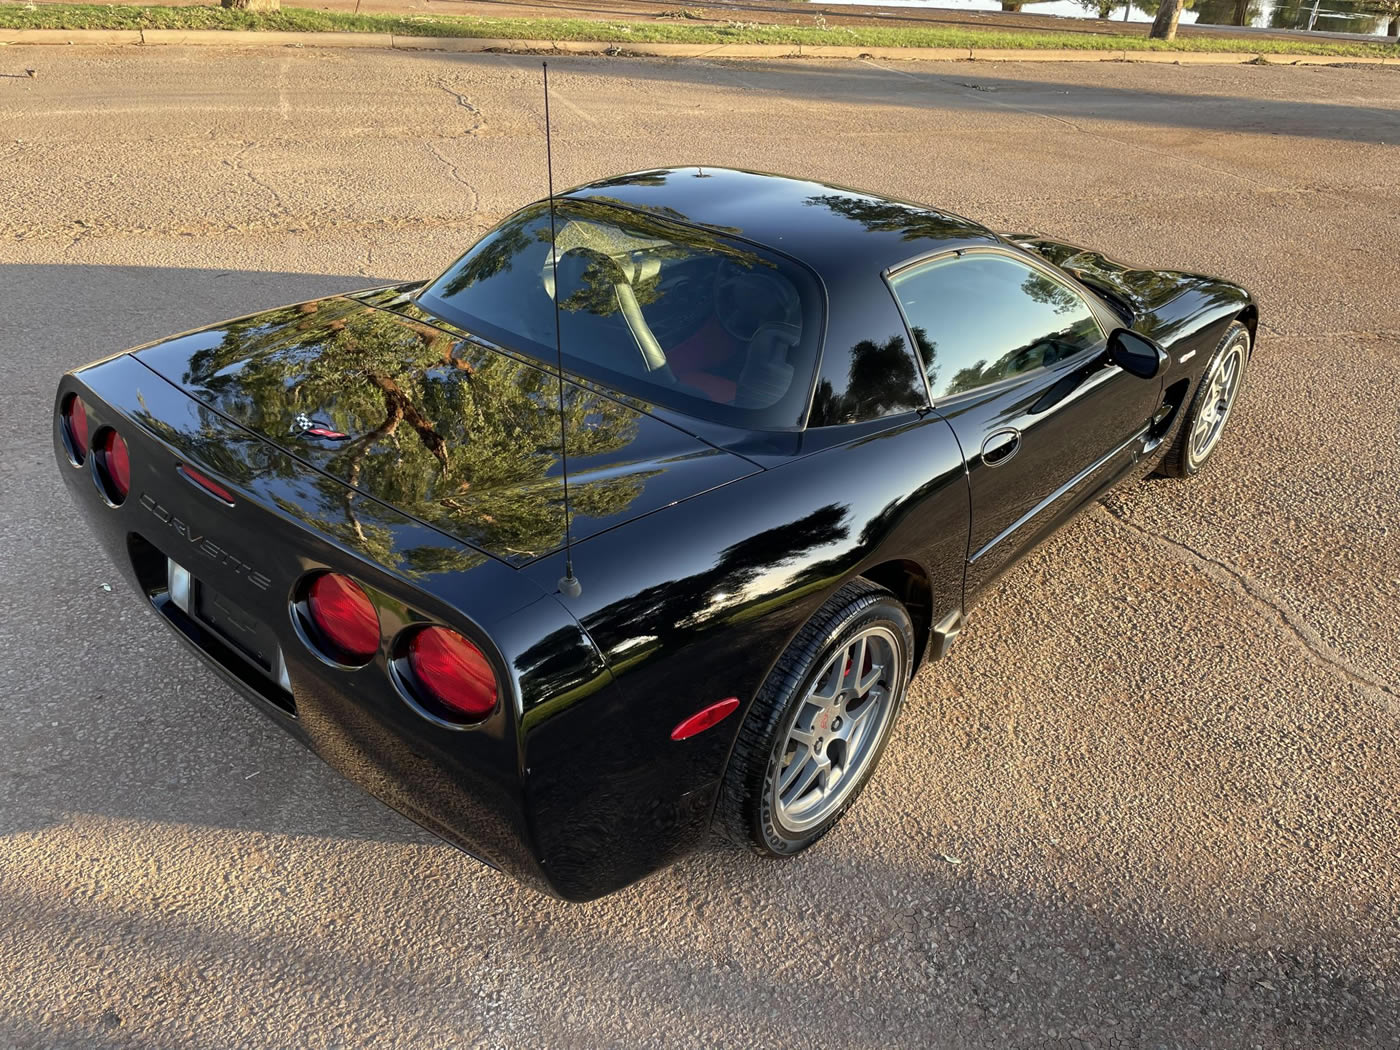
x=1000 y=447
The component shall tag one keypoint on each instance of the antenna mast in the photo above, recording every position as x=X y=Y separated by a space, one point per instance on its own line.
x=568 y=584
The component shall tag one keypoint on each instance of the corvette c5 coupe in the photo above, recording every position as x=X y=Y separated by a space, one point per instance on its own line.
x=802 y=429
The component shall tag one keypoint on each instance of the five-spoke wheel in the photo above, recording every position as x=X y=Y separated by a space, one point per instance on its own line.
x=816 y=731
x=1211 y=405
x=835 y=729
x=1221 y=385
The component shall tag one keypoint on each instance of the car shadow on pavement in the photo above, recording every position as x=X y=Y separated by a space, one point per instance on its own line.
x=62 y=315
x=721 y=950
x=122 y=746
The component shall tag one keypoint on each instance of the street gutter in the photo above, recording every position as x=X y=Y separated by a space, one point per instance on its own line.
x=271 y=38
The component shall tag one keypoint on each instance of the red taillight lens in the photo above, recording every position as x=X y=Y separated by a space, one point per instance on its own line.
x=453 y=672
x=115 y=464
x=75 y=419
x=345 y=618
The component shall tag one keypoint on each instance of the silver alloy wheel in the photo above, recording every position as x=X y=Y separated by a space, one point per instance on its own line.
x=837 y=729
x=1222 y=384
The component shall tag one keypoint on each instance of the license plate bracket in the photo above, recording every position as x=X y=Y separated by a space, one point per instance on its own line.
x=245 y=632
x=234 y=636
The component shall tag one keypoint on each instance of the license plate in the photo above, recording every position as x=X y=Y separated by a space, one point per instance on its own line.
x=249 y=635
x=245 y=634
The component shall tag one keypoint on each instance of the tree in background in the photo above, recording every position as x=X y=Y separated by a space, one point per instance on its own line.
x=1227 y=12
x=1164 y=25
x=1101 y=8
x=1104 y=8
x=253 y=5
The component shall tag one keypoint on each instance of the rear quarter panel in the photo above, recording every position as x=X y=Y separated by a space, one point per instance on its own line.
x=694 y=604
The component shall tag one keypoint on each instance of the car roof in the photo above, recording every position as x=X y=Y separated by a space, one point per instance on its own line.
x=835 y=230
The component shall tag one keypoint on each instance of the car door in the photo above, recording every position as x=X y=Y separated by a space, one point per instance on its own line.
x=1016 y=360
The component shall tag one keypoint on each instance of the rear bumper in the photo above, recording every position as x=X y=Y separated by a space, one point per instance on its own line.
x=279 y=714
x=463 y=785
x=572 y=785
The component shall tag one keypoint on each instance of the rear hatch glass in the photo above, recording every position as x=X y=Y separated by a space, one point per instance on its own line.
x=684 y=317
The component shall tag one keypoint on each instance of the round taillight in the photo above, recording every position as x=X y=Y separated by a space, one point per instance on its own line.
x=345 y=618
x=75 y=421
x=114 y=465
x=453 y=673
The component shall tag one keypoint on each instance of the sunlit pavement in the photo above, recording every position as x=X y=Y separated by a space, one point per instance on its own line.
x=1149 y=801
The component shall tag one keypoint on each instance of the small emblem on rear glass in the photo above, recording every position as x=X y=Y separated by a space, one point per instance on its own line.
x=306 y=426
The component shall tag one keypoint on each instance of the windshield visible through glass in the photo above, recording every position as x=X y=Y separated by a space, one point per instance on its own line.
x=680 y=316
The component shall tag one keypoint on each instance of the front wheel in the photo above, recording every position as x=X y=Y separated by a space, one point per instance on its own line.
x=1210 y=408
x=819 y=725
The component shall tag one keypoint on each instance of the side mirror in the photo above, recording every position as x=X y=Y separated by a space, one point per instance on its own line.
x=1136 y=354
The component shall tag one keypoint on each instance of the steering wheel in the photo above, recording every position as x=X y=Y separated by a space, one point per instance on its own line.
x=746 y=299
x=688 y=304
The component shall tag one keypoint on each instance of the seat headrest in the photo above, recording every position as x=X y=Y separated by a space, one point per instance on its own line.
x=767 y=375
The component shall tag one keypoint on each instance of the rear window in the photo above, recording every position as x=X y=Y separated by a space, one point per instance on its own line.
x=682 y=317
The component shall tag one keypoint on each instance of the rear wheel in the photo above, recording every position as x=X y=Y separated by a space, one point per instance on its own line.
x=1210 y=408
x=818 y=727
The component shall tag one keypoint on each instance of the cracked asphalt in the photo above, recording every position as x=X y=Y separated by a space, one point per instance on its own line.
x=1149 y=801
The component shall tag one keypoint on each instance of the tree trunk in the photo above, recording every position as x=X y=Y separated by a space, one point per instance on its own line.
x=1011 y=5
x=253 y=5
x=1241 y=12
x=1394 y=29
x=1164 y=25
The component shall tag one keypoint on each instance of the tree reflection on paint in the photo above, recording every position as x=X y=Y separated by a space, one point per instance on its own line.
x=458 y=436
x=910 y=221
x=882 y=379
x=672 y=611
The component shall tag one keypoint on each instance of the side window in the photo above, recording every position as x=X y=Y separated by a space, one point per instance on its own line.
x=980 y=318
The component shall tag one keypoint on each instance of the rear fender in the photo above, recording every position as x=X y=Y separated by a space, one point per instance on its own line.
x=695 y=604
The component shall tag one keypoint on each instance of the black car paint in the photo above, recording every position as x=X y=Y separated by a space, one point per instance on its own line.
x=477 y=410
x=574 y=784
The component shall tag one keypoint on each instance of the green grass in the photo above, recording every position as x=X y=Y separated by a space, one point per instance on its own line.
x=680 y=31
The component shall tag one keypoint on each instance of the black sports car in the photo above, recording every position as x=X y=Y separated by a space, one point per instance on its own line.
x=802 y=429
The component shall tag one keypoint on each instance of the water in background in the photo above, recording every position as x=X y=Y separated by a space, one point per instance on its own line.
x=1333 y=16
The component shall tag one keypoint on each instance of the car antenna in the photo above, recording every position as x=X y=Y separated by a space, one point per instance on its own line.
x=568 y=583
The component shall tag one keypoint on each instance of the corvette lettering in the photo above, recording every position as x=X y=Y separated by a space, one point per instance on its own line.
x=207 y=547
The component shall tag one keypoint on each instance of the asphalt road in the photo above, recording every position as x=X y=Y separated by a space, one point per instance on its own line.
x=1150 y=800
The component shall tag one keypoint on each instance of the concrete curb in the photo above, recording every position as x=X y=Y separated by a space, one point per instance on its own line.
x=251 y=38
x=205 y=37
x=1325 y=60
x=70 y=36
